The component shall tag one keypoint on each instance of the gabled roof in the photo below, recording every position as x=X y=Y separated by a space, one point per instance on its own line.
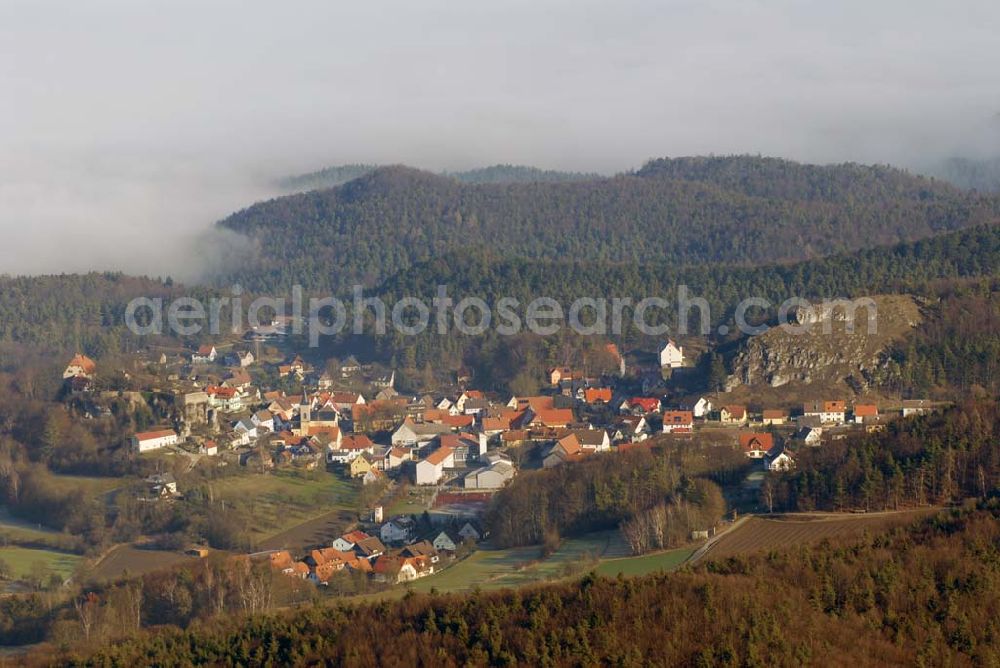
x=536 y=404
x=736 y=411
x=150 y=435
x=591 y=437
x=83 y=362
x=355 y=536
x=556 y=417
x=594 y=394
x=648 y=404
x=865 y=410
x=369 y=546
x=458 y=421
x=569 y=444
x=356 y=442
x=281 y=560
x=678 y=417
x=756 y=441
x=438 y=456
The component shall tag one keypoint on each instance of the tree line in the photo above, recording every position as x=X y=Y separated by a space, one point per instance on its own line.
x=931 y=459
x=924 y=594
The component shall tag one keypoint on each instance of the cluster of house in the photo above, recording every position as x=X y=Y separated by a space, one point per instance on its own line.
x=462 y=439
x=407 y=558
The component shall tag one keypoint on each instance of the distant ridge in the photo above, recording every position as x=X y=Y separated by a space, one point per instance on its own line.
x=735 y=210
x=331 y=177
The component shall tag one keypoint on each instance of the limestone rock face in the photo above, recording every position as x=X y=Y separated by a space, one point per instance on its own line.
x=826 y=344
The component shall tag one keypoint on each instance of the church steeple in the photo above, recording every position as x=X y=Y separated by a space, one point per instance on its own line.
x=305 y=410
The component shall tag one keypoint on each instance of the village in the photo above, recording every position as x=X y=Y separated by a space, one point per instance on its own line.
x=450 y=450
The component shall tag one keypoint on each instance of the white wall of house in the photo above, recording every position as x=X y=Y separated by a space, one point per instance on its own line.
x=428 y=473
x=145 y=445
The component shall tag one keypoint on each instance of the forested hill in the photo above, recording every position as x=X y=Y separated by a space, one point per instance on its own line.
x=907 y=267
x=330 y=177
x=689 y=211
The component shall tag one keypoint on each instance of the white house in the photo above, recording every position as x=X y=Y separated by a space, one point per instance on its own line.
x=240 y=358
x=779 y=459
x=915 y=407
x=444 y=543
x=395 y=457
x=701 y=407
x=413 y=433
x=154 y=440
x=342 y=456
x=828 y=412
x=398 y=530
x=593 y=440
x=810 y=435
x=678 y=422
x=672 y=355
x=263 y=419
x=204 y=355
x=431 y=469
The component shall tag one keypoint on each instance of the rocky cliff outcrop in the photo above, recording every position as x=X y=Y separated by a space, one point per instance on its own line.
x=821 y=346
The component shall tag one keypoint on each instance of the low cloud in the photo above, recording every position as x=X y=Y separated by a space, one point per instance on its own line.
x=127 y=129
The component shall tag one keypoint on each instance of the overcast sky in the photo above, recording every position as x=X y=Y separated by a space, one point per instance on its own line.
x=127 y=128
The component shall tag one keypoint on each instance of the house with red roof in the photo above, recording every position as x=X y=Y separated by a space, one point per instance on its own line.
x=678 y=422
x=430 y=470
x=566 y=449
x=595 y=395
x=756 y=445
x=865 y=412
x=206 y=354
x=640 y=405
x=774 y=416
x=733 y=414
x=555 y=417
x=144 y=441
x=80 y=366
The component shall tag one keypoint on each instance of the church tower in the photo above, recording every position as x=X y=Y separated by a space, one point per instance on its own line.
x=305 y=412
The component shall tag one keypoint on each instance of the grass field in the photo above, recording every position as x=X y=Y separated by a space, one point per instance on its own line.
x=520 y=566
x=282 y=500
x=90 y=485
x=650 y=563
x=410 y=501
x=759 y=534
x=22 y=561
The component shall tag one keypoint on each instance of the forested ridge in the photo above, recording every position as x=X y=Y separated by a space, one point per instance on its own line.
x=930 y=459
x=737 y=210
x=926 y=594
x=330 y=177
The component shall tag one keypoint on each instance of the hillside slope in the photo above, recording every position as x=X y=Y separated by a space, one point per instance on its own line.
x=920 y=595
x=737 y=210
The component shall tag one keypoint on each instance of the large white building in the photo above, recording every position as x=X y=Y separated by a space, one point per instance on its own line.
x=672 y=355
x=153 y=440
x=431 y=469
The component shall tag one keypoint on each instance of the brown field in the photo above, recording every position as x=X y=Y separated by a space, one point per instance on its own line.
x=760 y=534
x=135 y=561
x=316 y=532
